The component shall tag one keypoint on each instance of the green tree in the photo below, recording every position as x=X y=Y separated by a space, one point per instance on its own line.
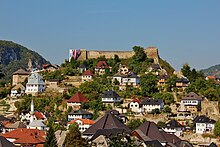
x=139 y=55
x=51 y=138
x=135 y=123
x=217 y=128
x=74 y=138
x=167 y=109
x=161 y=123
x=148 y=84
x=121 y=140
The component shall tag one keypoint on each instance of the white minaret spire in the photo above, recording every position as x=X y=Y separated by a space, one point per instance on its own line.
x=32 y=111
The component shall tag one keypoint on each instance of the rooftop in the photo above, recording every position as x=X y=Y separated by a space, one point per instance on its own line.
x=77 y=98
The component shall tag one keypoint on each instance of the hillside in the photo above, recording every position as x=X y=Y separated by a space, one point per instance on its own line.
x=213 y=70
x=14 y=56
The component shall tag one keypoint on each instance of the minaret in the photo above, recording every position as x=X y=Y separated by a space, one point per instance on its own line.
x=32 y=111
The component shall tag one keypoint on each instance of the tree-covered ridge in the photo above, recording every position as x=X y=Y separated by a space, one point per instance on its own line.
x=213 y=70
x=14 y=56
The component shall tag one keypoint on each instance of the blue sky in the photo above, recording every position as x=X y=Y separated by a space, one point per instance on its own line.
x=186 y=31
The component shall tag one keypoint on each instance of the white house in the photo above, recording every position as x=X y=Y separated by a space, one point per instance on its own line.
x=35 y=84
x=127 y=79
x=173 y=127
x=149 y=104
x=83 y=124
x=191 y=99
x=135 y=105
x=204 y=124
x=87 y=76
x=18 y=90
x=37 y=124
x=111 y=97
x=81 y=114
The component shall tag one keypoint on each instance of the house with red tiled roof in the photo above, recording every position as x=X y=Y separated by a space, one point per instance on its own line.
x=87 y=76
x=24 y=137
x=76 y=100
x=83 y=124
x=135 y=105
x=101 y=67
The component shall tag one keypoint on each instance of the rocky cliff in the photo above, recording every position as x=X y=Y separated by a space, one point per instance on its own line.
x=14 y=56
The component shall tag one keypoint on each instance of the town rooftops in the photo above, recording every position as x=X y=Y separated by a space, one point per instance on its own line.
x=155 y=66
x=149 y=101
x=110 y=94
x=16 y=125
x=88 y=73
x=203 y=119
x=2 y=118
x=192 y=96
x=80 y=112
x=18 y=86
x=136 y=100
x=39 y=115
x=37 y=123
x=173 y=124
x=108 y=121
x=21 y=72
x=182 y=80
x=77 y=98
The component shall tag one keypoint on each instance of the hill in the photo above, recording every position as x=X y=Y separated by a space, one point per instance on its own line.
x=213 y=70
x=14 y=56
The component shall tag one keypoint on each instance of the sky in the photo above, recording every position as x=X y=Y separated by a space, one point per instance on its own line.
x=186 y=31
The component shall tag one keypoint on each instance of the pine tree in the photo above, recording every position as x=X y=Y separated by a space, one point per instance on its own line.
x=73 y=137
x=51 y=138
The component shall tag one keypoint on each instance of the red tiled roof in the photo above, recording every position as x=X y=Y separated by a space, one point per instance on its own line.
x=84 y=121
x=87 y=73
x=211 y=77
x=30 y=139
x=136 y=100
x=23 y=132
x=39 y=115
x=102 y=64
x=78 y=98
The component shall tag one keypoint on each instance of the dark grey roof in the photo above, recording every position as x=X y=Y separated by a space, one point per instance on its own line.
x=2 y=118
x=183 y=80
x=192 y=96
x=153 y=143
x=82 y=66
x=156 y=66
x=21 y=72
x=149 y=101
x=183 y=143
x=110 y=94
x=213 y=145
x=80 y=112
x=151 y=130
x=5 y=143
x=108 y=121
x=173 y=124
x=131 y=75
x=108 y=133
x=203 y=119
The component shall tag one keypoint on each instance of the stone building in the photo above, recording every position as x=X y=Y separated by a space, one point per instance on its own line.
x=19 y=76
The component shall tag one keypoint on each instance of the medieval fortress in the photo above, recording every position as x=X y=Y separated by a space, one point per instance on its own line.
x=83 y=54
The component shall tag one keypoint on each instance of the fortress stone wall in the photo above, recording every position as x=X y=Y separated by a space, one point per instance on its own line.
x=151 y=52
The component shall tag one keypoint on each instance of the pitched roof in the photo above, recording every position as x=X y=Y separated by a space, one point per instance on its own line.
x=173 y=124
x=102 y=64
x=39 y=115
x=182 y=80
x=35 y=78
x=30 y=139
x=20 y=132
x=149 y=101
x=151 y=130
x=84 y=121
x=192 y=96
x=80 y=112
x=37 y=123
x=78 y=98
x=21 y=72
x=18 y=86
x=203 y=119
x=5 y=143
x=108 y=121
x=16 y=125
x=110 y=94
x=213 y=145
x=136 y=100
x=153 y=143
x=2 y=118
x=107 y=133
x=88 y=73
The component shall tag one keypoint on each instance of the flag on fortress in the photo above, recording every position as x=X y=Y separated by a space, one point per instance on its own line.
x=74 y=54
